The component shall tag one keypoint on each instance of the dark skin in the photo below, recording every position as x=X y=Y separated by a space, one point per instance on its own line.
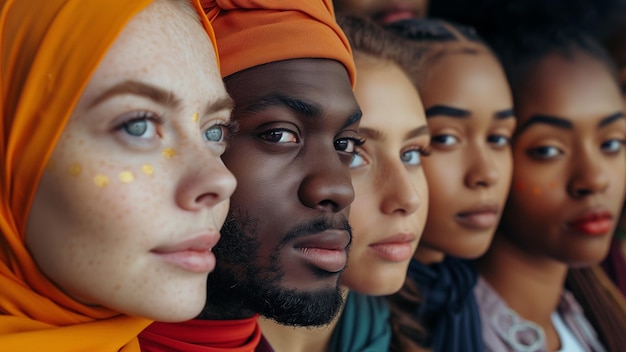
x=287 y=236
x=568 y=164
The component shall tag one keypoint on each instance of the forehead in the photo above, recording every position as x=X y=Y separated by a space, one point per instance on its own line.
x=160 y=45
x=571 y=87
x=318 y=81
x=385 y=93
x=466 y=79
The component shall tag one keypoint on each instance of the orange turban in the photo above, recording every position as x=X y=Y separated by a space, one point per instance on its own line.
x=256 y=32
x=50 y=48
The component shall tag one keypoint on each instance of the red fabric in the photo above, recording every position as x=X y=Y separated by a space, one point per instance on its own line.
x=242 y=335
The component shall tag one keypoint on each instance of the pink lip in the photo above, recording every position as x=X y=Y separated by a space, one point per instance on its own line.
x=397 y=248
x=394 y=13
x=326 y=250
x=193 y=254
x=593 y=223
x=481 y=217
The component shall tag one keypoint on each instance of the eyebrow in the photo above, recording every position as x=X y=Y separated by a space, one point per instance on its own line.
x=377 y=135
x=158 y=95
x=444 y=110
x=297 y=105
x=618 y=115
x=564 y=123
x=449 y=111
x=149 y=91
x=554 y=121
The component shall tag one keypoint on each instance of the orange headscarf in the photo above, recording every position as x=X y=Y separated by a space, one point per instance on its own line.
x=256 y=32
x=50 y=48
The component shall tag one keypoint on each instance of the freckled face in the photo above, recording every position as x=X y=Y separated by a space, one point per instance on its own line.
x=468 y=108
x=568 y=180
x=115 y=222
x=391 y=193
x=287 y=234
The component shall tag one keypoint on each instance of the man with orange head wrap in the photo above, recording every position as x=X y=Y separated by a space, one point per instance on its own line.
x=289 y=69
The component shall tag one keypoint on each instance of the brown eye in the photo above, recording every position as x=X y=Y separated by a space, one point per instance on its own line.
x=279 y=136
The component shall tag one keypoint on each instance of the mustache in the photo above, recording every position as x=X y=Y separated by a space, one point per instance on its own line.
x=316 y=226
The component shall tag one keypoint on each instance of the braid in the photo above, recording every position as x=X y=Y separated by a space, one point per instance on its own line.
x=370 y=41
x=603 y=304
x=435 y=37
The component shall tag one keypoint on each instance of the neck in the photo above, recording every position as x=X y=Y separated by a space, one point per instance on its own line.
x=530 y=284
x=284 y=338
x=428 y=255
x=222 y=306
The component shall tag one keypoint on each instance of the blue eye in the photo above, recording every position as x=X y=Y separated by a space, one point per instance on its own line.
x=357 y=161
x=612 y=145
x=499 y=140
x=215 y=133
x=544 y=152
x=444 y=139
x=142 y=126
x=411 y=157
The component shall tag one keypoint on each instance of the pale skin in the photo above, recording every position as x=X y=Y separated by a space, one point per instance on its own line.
x=391 y=195
x=578 y=162
x=135 y=193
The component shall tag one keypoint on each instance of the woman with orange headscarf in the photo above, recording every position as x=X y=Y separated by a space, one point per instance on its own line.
x=112 y=188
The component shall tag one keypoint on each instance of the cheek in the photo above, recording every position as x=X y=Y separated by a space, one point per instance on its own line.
x=364 y=212
x=444 y=180
x=424 y=194
x=220 y=211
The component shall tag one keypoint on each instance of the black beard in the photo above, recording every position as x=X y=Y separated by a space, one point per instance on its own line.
x=237 y=288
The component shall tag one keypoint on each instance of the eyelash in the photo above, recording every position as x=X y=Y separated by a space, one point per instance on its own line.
x=357 y=141
x=138 y=117
x=231 y=128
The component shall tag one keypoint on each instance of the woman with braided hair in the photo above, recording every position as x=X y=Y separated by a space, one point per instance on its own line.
x=469 y=111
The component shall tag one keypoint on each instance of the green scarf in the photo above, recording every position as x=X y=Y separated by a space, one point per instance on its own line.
x=363 y=325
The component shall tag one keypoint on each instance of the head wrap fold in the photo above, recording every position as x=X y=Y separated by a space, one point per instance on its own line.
x=50 y=49
x=255 y=32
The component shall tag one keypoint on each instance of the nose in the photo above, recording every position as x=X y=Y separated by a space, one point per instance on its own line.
x=482 y=171
x=206 y=181
x=400 y=190
x=326 y=184
x=588 y=176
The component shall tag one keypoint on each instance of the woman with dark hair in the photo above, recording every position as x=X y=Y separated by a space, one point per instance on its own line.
x=469 y=111
x=568 y=189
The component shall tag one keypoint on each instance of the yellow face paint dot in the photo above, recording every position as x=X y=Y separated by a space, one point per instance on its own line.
x=101 y=180
x=75 y=169
x=147 y=169
x=126 y=177
x=168 y=153
x=537 y=191
x=196 y=117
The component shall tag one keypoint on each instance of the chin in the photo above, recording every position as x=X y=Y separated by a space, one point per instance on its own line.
x=379 y=285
